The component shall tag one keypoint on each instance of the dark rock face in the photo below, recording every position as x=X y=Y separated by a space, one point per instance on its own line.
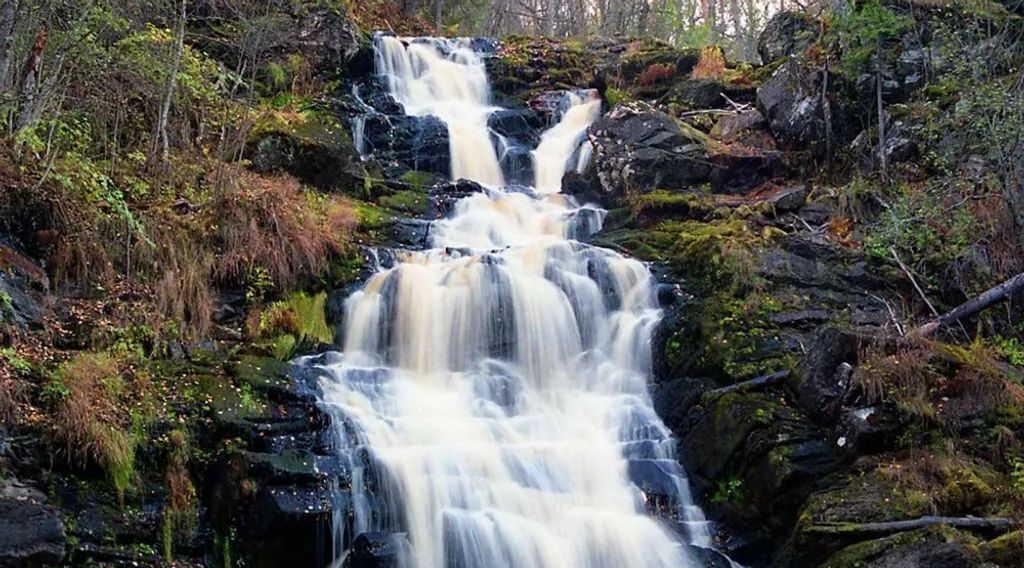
x=401 y=143
x=31 y=534
x=787 y=33
x=791 y=102
x=638 y=149
x=376 y=550
x=517 y=130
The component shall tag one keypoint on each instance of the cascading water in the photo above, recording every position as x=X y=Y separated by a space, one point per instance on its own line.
x=491 y=399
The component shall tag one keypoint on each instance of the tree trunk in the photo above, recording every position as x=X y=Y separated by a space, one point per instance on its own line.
x=409 y=7
x=987 y=299
x=162 y=142
x=8 y=15
x=438 y=21
x=549 y=24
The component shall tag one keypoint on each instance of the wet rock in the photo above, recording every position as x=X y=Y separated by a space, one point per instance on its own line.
x=866 y=430
x=401 y=143
x=31 y=534
x=443 y=197
x=377 y=550
x=824 y=377
x=290 y=525
x=409 y=233
x=787 y=33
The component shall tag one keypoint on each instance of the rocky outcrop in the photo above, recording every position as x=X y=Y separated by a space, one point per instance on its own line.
x=31 y=533
x=791 y=101
x=638 y=149
x=787 y=33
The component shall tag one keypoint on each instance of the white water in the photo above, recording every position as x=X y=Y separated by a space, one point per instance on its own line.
x=452 y=87
x=498 y=382
x=559 y=144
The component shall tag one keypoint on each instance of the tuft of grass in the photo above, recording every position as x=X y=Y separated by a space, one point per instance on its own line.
x=271 y=224
x=89 y=424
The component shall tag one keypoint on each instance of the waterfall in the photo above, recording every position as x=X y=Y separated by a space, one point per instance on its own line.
x=491 y=401
x=558 y=145
x=446 y=79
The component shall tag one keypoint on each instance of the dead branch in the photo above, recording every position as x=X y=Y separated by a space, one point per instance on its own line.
x=983 y=301
x=997 y=524
x=758 y=383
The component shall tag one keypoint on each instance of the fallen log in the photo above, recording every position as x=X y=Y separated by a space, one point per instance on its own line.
x=996 y=524
x=970 y=307
x=761 y=382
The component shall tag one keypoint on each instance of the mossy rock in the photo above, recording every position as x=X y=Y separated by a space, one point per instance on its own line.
x=312 y=146
x=935 y=546
x=1006 y=550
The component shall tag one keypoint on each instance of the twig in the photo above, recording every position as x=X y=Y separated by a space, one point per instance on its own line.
x=913 y=281
x=892 y=314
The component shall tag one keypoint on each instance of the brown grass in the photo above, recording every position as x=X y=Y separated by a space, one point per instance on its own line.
x=269 y=224
x=656 y=73
x=89 y=424
x=711 y=64
x=13 y=394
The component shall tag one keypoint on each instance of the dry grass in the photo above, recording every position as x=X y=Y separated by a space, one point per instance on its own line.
x=183 y=292
x=269 y=224
x=13 y=394
x=711 y=64
x=656 y=73
x=89 y=424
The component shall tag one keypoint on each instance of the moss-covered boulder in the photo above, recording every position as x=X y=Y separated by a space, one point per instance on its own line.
x=312 y=146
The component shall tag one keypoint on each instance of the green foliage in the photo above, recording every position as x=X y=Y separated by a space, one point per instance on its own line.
x=1017 y=476
x=866 y=30
x=1012 y=349
x=728 y=491
x=925 y=230
x=20 y=365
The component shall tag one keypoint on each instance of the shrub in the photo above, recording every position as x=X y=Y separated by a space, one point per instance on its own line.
x=711 y=64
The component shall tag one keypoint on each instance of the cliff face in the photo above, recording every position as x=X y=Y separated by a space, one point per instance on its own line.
x=783 y=226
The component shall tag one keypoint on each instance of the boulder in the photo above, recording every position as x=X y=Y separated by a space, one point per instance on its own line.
x=400 y=143
x=824 y=377
x=31 y=534
x=791 y=102
x=787 y=33
x=917 y=549
x=638 y=149
x=377 y=550
x=316 y=152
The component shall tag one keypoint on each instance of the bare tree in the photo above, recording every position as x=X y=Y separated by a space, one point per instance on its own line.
x=161 y=141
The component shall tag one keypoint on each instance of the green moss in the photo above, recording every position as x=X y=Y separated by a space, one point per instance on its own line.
x=1006 y=550
x=370 y=216
x=412 y=202
x=419 y=180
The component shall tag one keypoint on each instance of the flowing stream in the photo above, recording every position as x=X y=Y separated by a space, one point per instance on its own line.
x=491 y=400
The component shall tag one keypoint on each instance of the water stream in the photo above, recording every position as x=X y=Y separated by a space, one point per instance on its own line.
x=491 y=401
